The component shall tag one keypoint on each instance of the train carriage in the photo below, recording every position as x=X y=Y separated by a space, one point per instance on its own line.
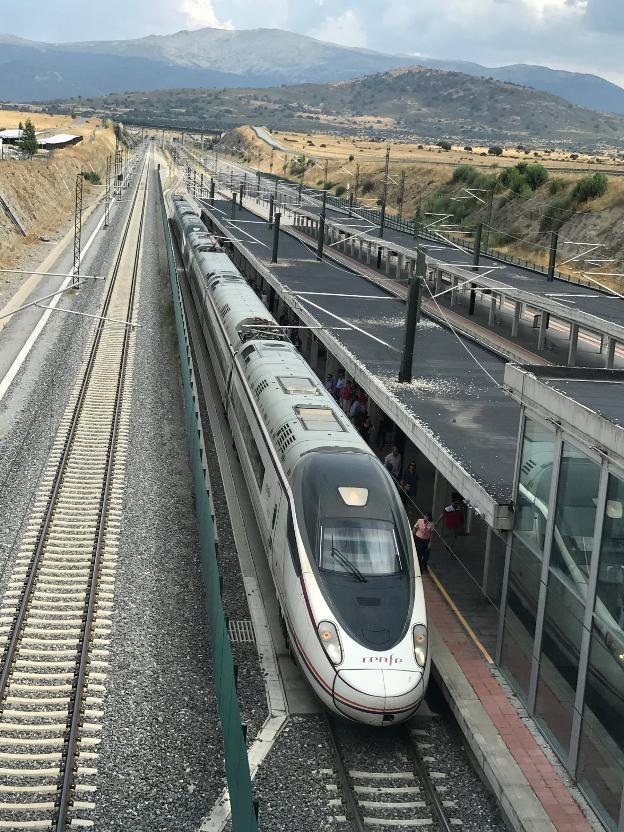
x=336 y=535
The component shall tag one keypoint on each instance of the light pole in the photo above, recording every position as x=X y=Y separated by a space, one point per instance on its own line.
x=384 y=197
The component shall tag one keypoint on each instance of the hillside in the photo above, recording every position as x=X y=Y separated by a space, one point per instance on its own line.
x=41 y=190
x=582 y=89
x=404 y=102
x=284 y=57
x=39 y=72
x=524 y=210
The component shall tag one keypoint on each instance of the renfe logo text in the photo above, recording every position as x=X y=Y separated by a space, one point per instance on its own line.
x=382 y=660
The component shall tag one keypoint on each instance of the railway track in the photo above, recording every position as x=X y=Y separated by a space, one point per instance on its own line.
x=55 y=618
x=387 y=779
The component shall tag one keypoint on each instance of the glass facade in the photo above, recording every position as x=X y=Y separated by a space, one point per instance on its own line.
x=568 y=576
x=527 y=552
x=575 y=518
x=567 y=662
x=522 y=594
x=601 y=755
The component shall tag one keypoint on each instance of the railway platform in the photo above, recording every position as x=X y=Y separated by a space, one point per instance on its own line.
x=532 y=789
x=457 y=421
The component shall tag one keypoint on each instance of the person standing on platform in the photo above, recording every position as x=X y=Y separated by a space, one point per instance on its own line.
x=355 y=410
x=390 y=470
x=394 y=458
x=423 y=532
x=409 y=484
x=340 y=382
x=365 y=429
x=346 y=394
x=329 y=383
x=383 y=428
x=453 y=514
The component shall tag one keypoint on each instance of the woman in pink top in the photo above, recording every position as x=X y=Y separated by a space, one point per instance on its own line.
x=423 y=532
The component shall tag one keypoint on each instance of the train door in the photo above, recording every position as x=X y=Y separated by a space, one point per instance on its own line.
x=278 y=539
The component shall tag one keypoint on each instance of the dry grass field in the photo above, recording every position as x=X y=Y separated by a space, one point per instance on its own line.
x=325 y=146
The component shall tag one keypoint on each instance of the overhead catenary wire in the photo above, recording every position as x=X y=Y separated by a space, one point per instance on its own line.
x=498 y=385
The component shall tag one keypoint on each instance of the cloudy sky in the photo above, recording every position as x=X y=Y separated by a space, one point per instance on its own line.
x=586 y=35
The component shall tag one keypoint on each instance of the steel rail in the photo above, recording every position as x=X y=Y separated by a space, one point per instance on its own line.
x=431 y=792
x=65 y=793
x=353 y=810
x=21 y=615
x=22 y=611
x=354 y=814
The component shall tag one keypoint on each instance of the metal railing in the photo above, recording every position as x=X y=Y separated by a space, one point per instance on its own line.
x=407 y=227
x=243 y=807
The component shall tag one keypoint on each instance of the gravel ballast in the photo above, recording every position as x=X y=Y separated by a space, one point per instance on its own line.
x=160 y=761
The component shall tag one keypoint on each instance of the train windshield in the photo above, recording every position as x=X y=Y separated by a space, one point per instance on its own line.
x=359 y=547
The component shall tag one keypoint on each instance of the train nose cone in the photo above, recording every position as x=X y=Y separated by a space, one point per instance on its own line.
x=378 y=697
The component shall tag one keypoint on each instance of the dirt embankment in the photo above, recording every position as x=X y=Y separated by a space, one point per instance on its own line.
x=42 y=190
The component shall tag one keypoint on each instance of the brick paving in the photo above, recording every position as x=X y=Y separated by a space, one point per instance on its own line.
x=549 y=789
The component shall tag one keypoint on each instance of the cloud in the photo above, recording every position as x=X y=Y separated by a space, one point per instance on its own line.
x=346 y=29
x=605 y=15
x=199 y=13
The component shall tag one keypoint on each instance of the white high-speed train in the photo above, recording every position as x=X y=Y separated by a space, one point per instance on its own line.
x=337 y=537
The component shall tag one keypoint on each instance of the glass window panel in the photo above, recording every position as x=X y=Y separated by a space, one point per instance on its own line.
x=561 y=642
x=600 y=770
x=363 y=547
x=601 y=754
x=519 y=631
x=573 y=534
x=610 y=588
x=496 y=569
x=536 y=464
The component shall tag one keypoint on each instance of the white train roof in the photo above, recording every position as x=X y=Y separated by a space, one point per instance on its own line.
x=299 y=413
x=238 y=306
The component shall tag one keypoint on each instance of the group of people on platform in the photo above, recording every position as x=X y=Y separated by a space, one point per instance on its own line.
x=407 y=484
x=353 y=401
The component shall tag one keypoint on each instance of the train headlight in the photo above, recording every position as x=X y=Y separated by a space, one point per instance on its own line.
x=419 y=634
x=330 y=640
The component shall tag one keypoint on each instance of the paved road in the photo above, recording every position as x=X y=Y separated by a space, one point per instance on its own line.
x=265 y=136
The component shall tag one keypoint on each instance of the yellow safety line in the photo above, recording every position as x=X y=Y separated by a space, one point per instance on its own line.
x=461 y=618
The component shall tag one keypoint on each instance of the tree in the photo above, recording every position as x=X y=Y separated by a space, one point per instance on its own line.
x=28 y=143
x=536 y=175
x=495 y=151
x=591 y=187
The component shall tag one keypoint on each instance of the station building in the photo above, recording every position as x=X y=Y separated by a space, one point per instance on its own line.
x=561 y=641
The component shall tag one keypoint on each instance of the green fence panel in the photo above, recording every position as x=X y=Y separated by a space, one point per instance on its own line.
x=234 y=744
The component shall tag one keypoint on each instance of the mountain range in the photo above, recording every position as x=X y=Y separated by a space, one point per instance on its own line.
x=405 y=103
x=218 y=58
